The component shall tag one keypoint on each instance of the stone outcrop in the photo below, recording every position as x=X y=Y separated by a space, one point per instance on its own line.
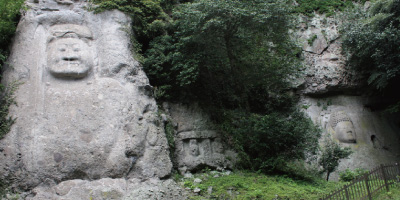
x=372 y=136
x=325 y=66
x=83 y=107
x=332 y=95
x=197 y=144
x=112 y=189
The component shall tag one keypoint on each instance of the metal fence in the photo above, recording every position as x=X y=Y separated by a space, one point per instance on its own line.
x=364 y=187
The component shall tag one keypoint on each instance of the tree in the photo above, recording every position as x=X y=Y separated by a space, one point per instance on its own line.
x=271 y=140
x=235 y=57
x=372 y=41
x=331 y=154
x=225 y=51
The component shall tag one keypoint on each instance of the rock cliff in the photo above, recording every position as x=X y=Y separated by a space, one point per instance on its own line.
x=335 y=98
x=85 y=123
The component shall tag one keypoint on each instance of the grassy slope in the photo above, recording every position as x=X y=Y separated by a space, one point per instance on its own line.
x=393 y=194
x=246 y=185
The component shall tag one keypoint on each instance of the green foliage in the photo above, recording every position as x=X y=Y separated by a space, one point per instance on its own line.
x=221 y=54
x=9 y=12
x=247 y=185
x=331 y=155
x=268 y=142
x=6 y=100
x=394 y=193
x=372 y=41
x=170 y=134
x=148 y=17
x=328 y=7
x=349 y=175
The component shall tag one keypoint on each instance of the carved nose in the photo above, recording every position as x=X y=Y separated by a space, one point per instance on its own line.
x=70 y=55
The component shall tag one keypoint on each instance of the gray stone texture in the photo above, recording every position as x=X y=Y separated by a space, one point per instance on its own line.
x=197 y=144
x=373 y=136
x=112 y=189
x=325 y=69
x=84 y=107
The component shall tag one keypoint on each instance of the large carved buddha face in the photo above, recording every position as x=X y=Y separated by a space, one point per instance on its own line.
x=69 y=58
x=345 y=132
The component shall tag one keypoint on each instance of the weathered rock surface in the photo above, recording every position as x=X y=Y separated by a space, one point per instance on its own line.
x=373 y=136
x=325 y=70
x=328 y=93
x=197 y=144
x=112 y=189
x=84 y=110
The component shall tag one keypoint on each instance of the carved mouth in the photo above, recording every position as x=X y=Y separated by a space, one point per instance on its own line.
x=353 y=141
x=71 y=60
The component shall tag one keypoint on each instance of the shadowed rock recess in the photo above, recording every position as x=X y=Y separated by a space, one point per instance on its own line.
x=86 y=127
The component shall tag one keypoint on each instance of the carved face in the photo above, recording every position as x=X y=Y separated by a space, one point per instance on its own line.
x=344 y=132
x=193 y=147
x=69 y=58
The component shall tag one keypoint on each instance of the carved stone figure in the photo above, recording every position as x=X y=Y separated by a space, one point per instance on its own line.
x=193 y=147
x=342 y=127
x=217 y=146
x=82 y=112
x=69 y=54
x=196 y=149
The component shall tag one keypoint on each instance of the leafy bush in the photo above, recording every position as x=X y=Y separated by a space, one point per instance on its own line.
x=268 y=142
x=170 y=134
x=149 y=17
x=332 y=153
x=349 y=175
x=222 y=54
x=372 y=41
x=9 y=12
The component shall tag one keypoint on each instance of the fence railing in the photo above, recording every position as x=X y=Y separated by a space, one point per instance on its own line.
x=365 y=186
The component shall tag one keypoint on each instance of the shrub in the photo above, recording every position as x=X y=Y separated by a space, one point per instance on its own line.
x=268 y=142
x=331 y=155
x=349 y=175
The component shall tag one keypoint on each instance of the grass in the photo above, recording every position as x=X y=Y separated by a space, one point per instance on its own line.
x=248 y=185
x=394 y=193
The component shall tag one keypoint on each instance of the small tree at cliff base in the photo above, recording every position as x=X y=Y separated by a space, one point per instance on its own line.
x=331 y=154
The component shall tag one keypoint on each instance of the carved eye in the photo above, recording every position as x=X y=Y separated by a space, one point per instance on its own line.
x=62 y=49
x=77 y=49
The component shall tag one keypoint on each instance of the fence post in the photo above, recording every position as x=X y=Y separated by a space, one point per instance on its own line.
x=367 y=184
x=347 y=193
x=384 y=177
